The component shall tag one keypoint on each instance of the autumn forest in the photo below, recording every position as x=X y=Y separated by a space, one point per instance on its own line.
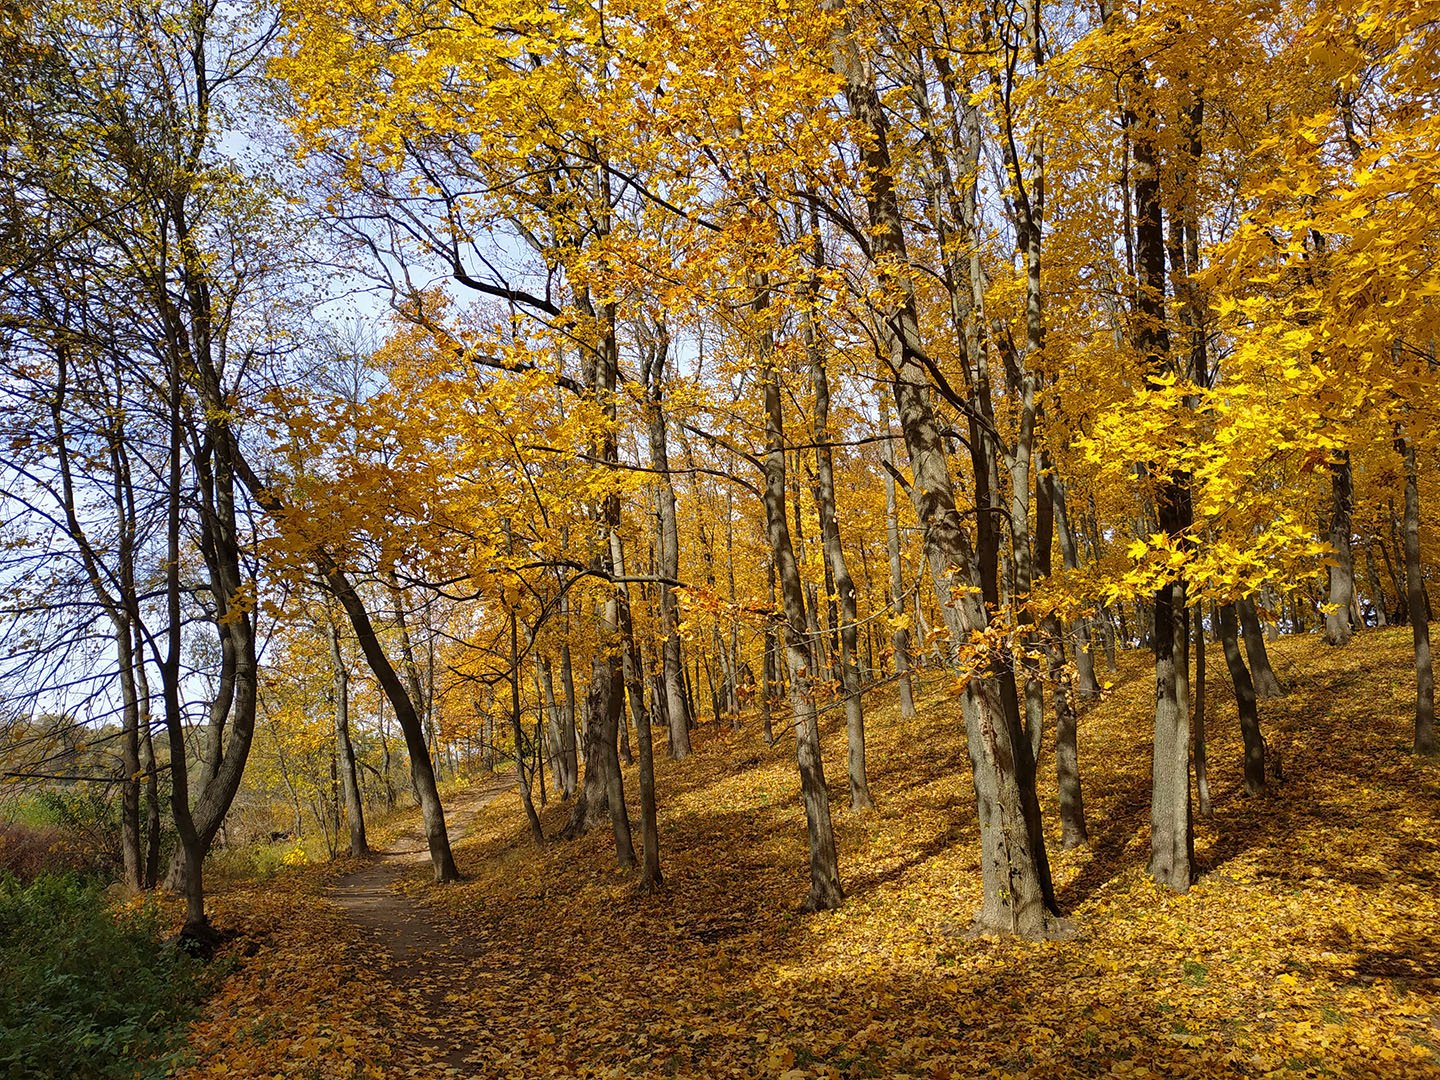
x=805 y=539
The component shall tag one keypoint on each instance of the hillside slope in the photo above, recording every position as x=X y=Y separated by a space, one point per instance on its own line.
x=1309 y=946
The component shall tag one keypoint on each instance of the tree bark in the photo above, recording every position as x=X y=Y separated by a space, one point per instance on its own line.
x=825 y=891
x=1202 y=764
x=634 y=671
x=422 y=772
x=1342 y=572
x=900 y=638
x=1425 y=742
x=835 y=558
x=667 y=553
x=1244 y=702
x=1019 y=895
x=1266 y=684
x=350 y=787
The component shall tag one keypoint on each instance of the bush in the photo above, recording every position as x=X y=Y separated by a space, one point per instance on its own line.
x=60 y=830
x=27 y=851
x=86 y=993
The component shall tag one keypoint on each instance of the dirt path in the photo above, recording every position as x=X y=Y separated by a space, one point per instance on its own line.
x=420 y=954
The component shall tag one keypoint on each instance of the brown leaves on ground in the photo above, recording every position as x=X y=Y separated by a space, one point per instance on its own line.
x=1309 y=946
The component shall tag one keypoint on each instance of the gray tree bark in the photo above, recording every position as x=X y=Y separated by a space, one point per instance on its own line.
x=825 y=891
x=350 y=787
x=1425 y=742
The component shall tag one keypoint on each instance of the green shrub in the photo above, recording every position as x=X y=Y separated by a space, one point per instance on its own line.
x=86 y=993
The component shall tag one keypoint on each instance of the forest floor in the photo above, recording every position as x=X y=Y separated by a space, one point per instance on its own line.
x=1309 y=946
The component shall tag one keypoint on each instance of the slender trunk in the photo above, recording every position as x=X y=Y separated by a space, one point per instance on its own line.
x=563 y=756
x=900 y=637
x=634 y=672
x=1425 y=742
x=536 y=832
x=1089 y=688
x=825 y=891
x=1244 y=702
x=130 y=843
x=1172 y=850
x=1019 y=895
x=1202 y=767
x=148 y=764
x=844 y=585
x=1342 y=571
x=422 y=772
x=354 y=812
x=767 y=668
x=667 y=556
x=1049 y=502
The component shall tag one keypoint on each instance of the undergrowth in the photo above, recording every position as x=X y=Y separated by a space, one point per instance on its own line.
x=87 y=992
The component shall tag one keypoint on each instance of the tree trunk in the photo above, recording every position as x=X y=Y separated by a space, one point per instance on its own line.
x=517 y=732
x=835 y=559
x=1266 y=684
x=422 y=772
x=1202 y=765
x=825 y=891
x=1342 y=573
x=1415 y=599
x=354 y=812
x=1089 y=688
x=668 y=561
x=634 y=670
x=1244 y=703
x=130 y=842
x=1049 y=502
x=1172 y=850
x=901 y=635
x=1019 y=895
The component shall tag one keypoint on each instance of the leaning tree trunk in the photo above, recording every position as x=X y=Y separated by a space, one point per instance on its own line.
x=1244 y=703
x=1415 y=599
x=1266 y=684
